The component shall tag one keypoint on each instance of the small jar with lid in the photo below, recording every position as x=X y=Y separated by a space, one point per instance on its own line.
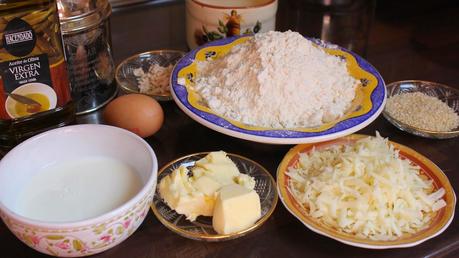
x=87 y=44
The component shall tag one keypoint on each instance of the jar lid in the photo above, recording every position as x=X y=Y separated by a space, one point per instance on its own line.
x=78 y=15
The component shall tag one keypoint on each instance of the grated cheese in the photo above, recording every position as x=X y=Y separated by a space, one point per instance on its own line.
x=365 y=189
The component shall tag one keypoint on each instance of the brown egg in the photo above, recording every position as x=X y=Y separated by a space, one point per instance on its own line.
x=137 y=113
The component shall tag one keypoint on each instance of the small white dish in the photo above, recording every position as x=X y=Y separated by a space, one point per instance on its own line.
x=29 y=88
x=88 y=236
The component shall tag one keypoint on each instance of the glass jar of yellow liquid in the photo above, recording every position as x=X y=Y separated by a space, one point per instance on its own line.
x=34 y=87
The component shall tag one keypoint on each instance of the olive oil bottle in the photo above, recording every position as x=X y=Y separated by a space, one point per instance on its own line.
x=34 y=87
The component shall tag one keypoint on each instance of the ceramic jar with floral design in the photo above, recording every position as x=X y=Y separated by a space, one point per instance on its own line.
x=208 y=20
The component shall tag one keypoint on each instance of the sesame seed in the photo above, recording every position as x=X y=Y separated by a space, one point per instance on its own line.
x=422 y=111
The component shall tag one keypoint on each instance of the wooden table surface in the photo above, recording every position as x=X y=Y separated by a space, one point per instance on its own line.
x=410 y=40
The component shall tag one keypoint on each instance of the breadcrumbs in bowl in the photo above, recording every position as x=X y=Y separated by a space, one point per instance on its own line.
x=426 y=109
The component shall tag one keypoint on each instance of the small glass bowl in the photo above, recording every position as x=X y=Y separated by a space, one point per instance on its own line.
x=126 y=79
x=201 y=228
x=445 y=93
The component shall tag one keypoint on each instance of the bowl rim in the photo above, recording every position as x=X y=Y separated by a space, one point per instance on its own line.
x=181 y=92
x=218 y=237
x=211 y=6
x=134 y=56
x=414 y=128
x=319 y=228
x=63 y=226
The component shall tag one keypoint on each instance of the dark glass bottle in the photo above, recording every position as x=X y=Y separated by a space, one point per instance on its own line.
x=34 y=87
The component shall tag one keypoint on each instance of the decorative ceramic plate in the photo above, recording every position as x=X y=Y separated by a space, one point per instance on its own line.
x=439 y=223
x=201 y=228
x=445 y=93
x=366 y=106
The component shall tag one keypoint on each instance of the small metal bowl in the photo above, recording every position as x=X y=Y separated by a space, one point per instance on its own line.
x=126 y=79
x=445 y=93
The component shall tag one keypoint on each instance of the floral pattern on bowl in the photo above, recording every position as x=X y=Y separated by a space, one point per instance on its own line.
x=366 y=106
x=83 y=241
x=85 y=236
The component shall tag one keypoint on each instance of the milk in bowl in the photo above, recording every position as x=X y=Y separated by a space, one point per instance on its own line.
x=77 y=190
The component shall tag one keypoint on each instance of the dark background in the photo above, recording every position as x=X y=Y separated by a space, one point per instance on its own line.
x=406 y=40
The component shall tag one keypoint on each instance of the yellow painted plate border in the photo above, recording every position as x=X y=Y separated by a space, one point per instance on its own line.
x=369 y=103
x=360 y=105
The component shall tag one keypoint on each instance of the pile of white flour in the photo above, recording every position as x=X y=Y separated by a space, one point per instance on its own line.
x=278 y=80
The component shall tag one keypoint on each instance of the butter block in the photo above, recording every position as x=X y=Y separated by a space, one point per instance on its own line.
x=196 y=195
x=175 y=185
x=179 y=193
x=206 y=185
x=236 y=208
x=246 y=181
x=218 y=166
x=195 y=205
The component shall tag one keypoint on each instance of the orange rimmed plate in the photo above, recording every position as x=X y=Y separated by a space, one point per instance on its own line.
x=438 y=224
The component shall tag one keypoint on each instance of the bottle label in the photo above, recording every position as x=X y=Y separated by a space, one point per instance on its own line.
x=29 y=84
x=25 y=70
x=19 y=38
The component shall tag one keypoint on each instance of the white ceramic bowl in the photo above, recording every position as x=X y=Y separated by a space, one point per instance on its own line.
x=208 y=20
x=89 y=236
